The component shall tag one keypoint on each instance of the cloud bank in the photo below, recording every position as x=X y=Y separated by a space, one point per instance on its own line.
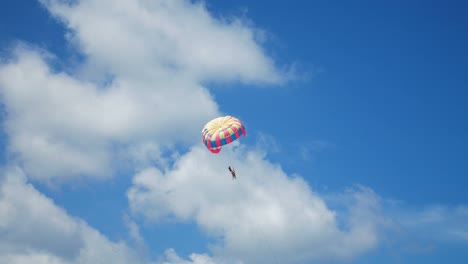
x=264 y=216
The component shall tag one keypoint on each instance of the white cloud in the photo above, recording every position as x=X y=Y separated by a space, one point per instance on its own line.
x=66 y=125
x=171 y=257
x=308 y=150
x=164 y=37
x=39 y=258
x=267 y=143
x=62 y=127
x=262 y=214
x=34 y=230
x=447 y=223
x=262 y=217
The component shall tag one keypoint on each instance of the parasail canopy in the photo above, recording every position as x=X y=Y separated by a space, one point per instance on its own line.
x=221 y=131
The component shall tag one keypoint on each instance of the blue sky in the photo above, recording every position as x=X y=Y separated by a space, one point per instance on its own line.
x=355 y=114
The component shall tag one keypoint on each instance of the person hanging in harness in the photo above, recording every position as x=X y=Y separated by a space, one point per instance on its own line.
x=233 y=172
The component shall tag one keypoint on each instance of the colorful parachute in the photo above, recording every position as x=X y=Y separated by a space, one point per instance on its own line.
x=221 y=131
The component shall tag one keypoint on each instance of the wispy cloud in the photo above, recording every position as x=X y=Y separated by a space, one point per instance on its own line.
x=446 y=223
x=309 y=149
x=267 y=143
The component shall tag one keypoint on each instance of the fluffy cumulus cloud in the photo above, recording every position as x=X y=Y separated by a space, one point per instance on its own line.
x=263 y=217
x=179 y=38
x=34 y=230
x=157 y=54
x=266 y=216
x=60 y=126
